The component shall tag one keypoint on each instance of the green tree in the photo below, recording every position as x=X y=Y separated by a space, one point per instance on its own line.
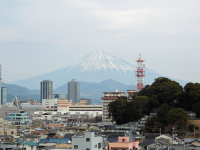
x=163 y=90
x=117 y=110
x=190 y=98
x=177 y=116
x=123 y=111
x=196 y=108
x=191 y=94
x=162 y=114
x=139 y=107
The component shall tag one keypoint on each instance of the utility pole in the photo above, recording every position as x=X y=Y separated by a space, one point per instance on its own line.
x=160 y=131
x=173 y=135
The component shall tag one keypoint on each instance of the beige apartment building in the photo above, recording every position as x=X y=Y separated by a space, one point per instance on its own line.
x=106 y=99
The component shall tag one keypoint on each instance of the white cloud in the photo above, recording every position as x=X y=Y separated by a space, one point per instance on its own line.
x=71 y=28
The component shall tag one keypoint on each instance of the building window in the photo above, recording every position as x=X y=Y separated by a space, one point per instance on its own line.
x=99 y=145
x=87 y=139
x=123 y=140
x=75 y=146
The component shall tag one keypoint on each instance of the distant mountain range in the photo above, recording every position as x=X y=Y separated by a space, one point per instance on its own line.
x=95 y=67
x=97 y=72
x=21 y=92
x=95 y=90
x=88 y=90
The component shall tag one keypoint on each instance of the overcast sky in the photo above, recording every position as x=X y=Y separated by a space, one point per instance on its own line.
x=39 y=36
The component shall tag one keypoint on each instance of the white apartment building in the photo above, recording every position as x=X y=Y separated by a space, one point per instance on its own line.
x=49 y=103
x=66 y=106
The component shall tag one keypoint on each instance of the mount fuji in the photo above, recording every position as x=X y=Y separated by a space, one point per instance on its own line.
x=95 y=67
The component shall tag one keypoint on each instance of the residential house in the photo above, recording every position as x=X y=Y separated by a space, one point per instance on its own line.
x=123 y=143
x=89 y=141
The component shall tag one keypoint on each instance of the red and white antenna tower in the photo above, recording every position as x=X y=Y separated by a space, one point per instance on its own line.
x=140 y=73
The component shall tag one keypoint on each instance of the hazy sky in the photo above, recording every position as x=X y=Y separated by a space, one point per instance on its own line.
x=39 y=36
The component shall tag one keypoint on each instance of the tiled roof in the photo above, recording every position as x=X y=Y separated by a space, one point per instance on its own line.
x=30 y=143
x=151 y=135
x=69 y=135
x=147 y=142
x=55 y=140
x=31 y=136
x=53 y=125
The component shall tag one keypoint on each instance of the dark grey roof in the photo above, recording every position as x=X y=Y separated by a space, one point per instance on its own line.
x=151 y=135
x=147 y=142
x=159 y=148
x=31 y=136
x=69 y=136
x=114 y=137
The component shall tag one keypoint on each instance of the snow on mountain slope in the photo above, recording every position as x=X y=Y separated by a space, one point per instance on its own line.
x=95 y=67
x=100 y=60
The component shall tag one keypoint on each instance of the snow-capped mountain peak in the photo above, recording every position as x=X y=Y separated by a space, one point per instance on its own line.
x=100 y=60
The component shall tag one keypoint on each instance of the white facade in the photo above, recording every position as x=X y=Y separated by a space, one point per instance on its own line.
x=49 y=103
x=90 y=110
x=87 y=142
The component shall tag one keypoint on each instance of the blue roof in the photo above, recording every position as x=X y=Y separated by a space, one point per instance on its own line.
x=30 y=143
x=55 y=140
x=20 y=141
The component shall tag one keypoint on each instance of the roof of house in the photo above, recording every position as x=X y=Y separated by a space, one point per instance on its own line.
x=151 y=135
x=114 y=137
x=39 y=132
x=53 y=125
x=69 y=135
x=38 y=129
x=64 y=146
x=55 y=140
x=30 y=136
x=195 y=143
x=147 y=142
x=30 y=143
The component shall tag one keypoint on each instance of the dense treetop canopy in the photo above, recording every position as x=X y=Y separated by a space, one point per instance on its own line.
x=165 y=97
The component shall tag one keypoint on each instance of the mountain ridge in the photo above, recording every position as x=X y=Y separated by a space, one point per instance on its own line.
x=93 y=90
x=95 y=67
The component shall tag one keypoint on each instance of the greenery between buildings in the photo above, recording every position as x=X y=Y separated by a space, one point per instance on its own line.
x=164 y=97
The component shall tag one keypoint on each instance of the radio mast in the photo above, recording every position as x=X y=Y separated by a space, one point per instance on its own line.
x=140 y=73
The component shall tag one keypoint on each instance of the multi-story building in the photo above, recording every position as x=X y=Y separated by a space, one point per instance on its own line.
x=46 y=90
x=20 y=118
x=66 y=106
x=3 y=95
x=130 y=94
x=74 y=91
x=49 y=104
x=89 y=141
x=3 y=92
x=108 y=98
x=90 y=110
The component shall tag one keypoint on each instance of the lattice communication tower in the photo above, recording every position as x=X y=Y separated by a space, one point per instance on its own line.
x=140 y=73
